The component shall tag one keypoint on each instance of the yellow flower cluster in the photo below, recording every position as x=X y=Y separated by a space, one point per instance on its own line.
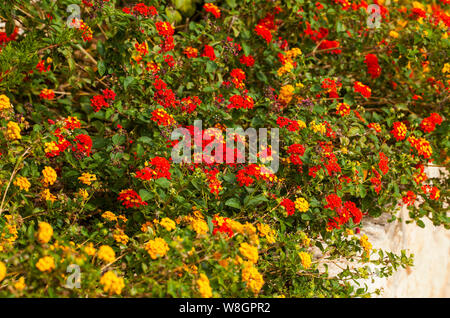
x=112 y=284
x=252 y=278
x=46 y=195
x=250 y=252
x=168 y=224
x=120 y=236
x=393 y=34
x=22 y=183
x=245 y=229
x=4 y=102
x=51 y=147
x=13 y=131
x=109 y=216
x=10 y=235
x=2 y=271
x=301 y=124
x=318 y=128
x=200 y=226
x=46 y=264
x=106 y=254
x=267 y=232
x=203 y=286
x=90 y=249
x=305 y=258
x=20 y=284
x=197 y=222
x=301 y=204
x=87 y=178
x=156 y=248
x=45 y=232
x=305 y=239
x=446 y=69
x=286 y=94
x=83 y=194
x=289 y=63
x=49 y=175
x=367 y=246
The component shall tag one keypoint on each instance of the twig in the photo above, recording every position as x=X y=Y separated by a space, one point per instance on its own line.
x=12 y=177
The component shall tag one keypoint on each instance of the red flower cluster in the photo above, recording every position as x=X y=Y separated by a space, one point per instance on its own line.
x=72 y=123
x=333 y=201
x=289 y=205
x=344 y=213
x=332 y=165
x=433 y=191
x=331 y=87
x=376 y=182
x=409 y=198
x=399 y=130
x=165 y=30
x=238 y=77
x=296 y=151
x=221 y=226
x=103 y=101
x=158 y=168
x=83 y=145
x=209 y=7
x=375 y=126
x=428 y=124
x=247 y=60
x=62 y=144
x=189 y=104
x=143 y=10
x=263 y=32
x=292 y=125
x=245 y=176
x=169 y=60
x=422 y=146
x=330 y=47
x=364 y=90
x=208 y=51
x=420 y=177
x=47 y=94
x=373 y=68
x=417 y=13
x=161 y=117
x=343 y=109
x=164 y=96
x=42 y=68
x=190 y=52
x=315 y=35
x=383 y=164
x=215 y=185
x=130 y=199
x=238 y=101
x=4 y=38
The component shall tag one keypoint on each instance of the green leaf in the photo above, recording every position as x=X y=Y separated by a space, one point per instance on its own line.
x=256 y=200
x=128 y=80
x=145 y=195
x=101 y=67
x=234 y=203
x=163 y=182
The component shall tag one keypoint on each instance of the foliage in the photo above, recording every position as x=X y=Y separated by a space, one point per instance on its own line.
x=86 y=112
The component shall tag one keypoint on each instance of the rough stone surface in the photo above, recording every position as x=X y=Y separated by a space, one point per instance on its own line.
x=430 y=275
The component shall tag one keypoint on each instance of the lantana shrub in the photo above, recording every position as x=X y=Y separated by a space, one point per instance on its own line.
x=93 y=204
